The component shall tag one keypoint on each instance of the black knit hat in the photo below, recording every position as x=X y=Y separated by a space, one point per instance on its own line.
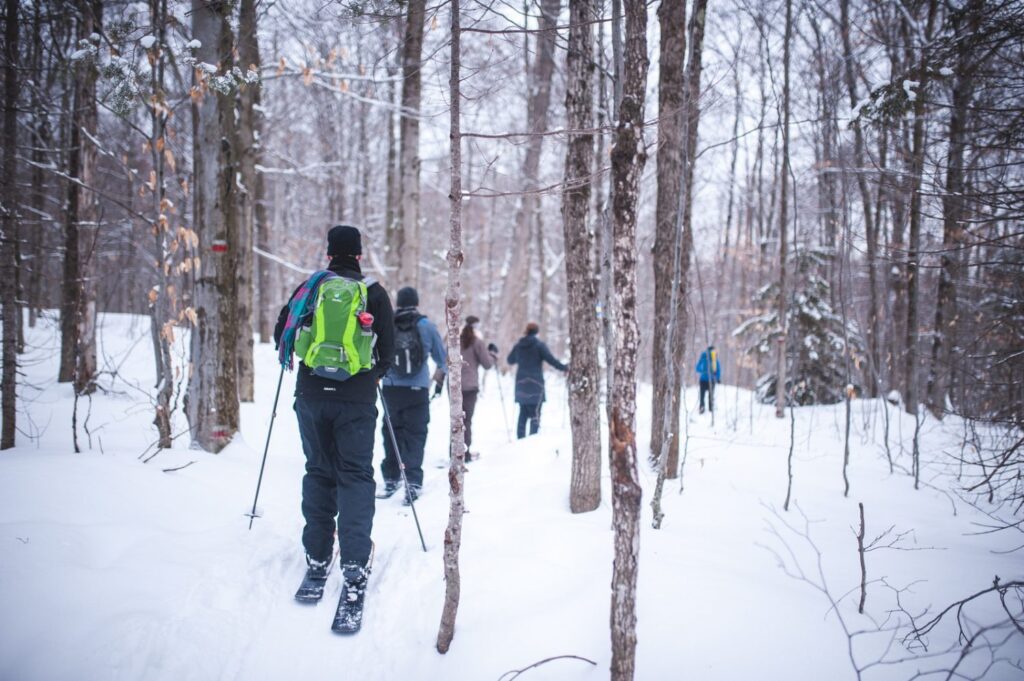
x=407 y=297
x=471 y=320
x=344 y=240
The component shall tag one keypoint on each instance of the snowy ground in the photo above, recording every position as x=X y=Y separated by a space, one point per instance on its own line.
x=114 y=569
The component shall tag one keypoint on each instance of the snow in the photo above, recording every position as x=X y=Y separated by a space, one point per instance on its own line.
x=946 y=71
x=136 y=573
x=147 y=41
x=193 y=44
x=908 y=88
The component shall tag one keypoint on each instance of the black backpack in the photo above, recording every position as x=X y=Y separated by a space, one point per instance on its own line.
x=409 y=351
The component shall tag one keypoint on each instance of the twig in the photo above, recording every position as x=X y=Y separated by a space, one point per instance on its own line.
x=171 y=470
x=516 y=672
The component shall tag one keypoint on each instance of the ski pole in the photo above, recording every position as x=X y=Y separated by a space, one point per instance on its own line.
x=501 y=394
x=401 y=465
x=270 y=429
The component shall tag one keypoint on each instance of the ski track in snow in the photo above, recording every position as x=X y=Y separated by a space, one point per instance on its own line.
x=131 y=573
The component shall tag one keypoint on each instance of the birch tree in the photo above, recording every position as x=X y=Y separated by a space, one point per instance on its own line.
x=453 y=315
x=628 y=159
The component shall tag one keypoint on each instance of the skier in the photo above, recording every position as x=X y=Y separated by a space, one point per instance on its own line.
x=710 y=373
x=338 y=415
x=407 y=392
x=474 y=356
x=529 y=354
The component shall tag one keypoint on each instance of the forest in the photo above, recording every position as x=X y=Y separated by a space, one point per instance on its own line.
x=829 y=193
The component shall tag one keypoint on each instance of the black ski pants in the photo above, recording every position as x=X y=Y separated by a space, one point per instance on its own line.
x=707 y=388
x=468 y=408
x=410 y=414
x=531 y=413
x=338 y=487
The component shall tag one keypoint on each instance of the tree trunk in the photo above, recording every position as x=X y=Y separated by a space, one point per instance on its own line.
x=628 y=158
x=681 y=247
x=870 y=225
x=780 y=386
x=666 y=363
x=453 y=317
x=162 y=317
x=248 y=155
x=212 y=401
x=914 y=245
x=946 y=309
x=514 y=288
x=585 y=377
x=403 y=234
x=9 y=197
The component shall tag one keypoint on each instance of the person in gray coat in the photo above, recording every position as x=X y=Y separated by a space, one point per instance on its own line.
x=474 y=356
x=529 y=354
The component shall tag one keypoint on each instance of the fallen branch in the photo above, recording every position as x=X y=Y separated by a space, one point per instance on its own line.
x=516 y=672
x=171 y=470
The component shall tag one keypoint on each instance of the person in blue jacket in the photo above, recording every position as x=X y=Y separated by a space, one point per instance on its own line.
x=710 y=373
x=407 y=392
x=529 y=354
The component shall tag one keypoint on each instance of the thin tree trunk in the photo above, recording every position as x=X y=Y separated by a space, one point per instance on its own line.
x=870 y=225
x=628 y=158
x=780 y=386
x=681 y=247
x=248 y=155
x=585 y=377
x=453 y=315
x=212 y=400
x=669 y=286
x=9 y=197
x=514 y=291
x=162 y=319
x=403 y=234
x=946 y=309
x=914 y=245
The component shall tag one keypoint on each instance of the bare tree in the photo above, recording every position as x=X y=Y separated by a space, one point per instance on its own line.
x=628 y=159
x=581 y=286
x=9 y=197
x=212 y=401
x=453 y=315
x=403 y=235
x=780 y=386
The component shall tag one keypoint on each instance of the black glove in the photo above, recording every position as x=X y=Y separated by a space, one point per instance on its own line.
x=437 y=389
x=492 y=348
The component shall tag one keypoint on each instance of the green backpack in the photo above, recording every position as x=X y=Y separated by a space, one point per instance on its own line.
x=338 y=340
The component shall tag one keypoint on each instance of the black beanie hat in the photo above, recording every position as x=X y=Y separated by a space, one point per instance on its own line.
x=344 y=240
x=407 y=297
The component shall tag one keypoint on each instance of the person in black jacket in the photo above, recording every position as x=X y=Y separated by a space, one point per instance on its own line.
x=337 y=422
x=530 y=353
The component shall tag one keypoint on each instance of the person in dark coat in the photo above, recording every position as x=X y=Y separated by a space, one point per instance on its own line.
x=474 y=355
x=709 y=372
x=529 y=354
x=408 y=398
x=337 y=423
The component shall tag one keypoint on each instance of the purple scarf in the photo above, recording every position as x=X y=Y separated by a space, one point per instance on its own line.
x=298 y=307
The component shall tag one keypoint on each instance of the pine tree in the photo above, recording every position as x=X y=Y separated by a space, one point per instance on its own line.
x=815 y=363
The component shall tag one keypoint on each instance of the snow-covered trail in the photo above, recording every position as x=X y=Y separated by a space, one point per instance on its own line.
x=132 y=573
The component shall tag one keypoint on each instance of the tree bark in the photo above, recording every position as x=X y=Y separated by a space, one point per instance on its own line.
x=946 y=309
x=9 y=197
x=674 y=349
x=914 y=246
x=584 y=332
x=212 y=401
x=249 y=136
x=780 y=386
x=453 y=317
x=628 y=158
x=403 y=234
x=870 y=225
x=669 y=306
